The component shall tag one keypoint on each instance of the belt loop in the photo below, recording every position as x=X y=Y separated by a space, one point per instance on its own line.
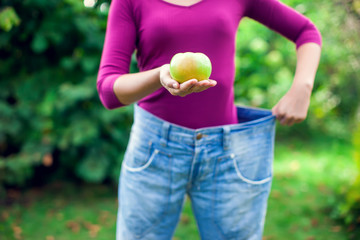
x=226 y=137
x=164 y=134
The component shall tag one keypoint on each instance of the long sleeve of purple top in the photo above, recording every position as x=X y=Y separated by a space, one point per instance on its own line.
x=157 y=30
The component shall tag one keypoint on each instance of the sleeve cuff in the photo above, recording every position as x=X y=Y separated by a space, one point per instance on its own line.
x=313 y=36
x=106 y=92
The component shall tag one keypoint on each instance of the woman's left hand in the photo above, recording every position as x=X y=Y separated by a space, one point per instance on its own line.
x=293 y=106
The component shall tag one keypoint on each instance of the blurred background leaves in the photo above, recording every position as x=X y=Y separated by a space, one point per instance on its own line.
x=8 y=19
x=49 y=104
x=52 y=125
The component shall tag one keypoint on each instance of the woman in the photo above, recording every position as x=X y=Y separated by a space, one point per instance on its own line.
x=190 y=138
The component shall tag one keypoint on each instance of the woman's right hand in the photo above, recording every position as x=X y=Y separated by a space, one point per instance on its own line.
x=185 y=88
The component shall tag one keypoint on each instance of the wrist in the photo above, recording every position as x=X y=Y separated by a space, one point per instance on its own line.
x=163 y=69
x=157 y=76
x=305 y=86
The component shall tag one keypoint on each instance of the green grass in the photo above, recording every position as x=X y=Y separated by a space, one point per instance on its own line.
x=307 y=177
x=62 y=212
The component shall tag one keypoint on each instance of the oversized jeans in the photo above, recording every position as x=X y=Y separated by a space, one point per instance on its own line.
x=226 y=171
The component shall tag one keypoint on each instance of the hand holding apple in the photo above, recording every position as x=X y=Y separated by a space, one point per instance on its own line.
x=183 y=89
x=186 y=86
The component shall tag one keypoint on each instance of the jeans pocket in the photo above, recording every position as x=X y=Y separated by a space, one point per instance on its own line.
x=240 y=197
x=139 y=160
x=140 y=152
x=252 y=155
x=145 y=189
x=254 y=172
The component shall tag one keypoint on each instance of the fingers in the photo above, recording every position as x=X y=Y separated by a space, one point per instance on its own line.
x=168 y=82
x=186 y=87
x=287 y=118
x=172 y=84
x=190 y=86
x=287 y=121
x=203 y=85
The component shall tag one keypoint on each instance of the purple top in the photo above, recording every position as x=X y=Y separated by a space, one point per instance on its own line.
x=158 y=29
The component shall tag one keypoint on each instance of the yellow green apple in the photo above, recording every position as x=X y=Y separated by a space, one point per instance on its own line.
x=190 y=65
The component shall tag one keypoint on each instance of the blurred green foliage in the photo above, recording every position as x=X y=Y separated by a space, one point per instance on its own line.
x=348 y=208
x=50 y=112
x=8 y=19
x=52 y=124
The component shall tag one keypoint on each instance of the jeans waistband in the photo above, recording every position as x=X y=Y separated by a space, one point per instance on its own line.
x=249 y=118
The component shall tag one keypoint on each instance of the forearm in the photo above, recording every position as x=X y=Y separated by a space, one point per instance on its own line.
x=308 y=57
x=130 y=88
x=293 y=106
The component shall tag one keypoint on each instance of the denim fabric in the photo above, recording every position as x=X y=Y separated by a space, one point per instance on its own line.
x=226 y=171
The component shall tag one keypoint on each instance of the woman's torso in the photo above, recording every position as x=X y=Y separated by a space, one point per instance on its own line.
x=207 y=26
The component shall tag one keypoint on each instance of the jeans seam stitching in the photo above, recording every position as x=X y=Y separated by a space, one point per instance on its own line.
x=238 y=173
x=223 y=235
x=145 y=166
x=165 y=210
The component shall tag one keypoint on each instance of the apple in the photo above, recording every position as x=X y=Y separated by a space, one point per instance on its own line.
x=190 y=65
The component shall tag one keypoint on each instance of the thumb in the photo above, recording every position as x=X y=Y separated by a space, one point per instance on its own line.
x=170 y=83
x=175 y=84
x=274 y=110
